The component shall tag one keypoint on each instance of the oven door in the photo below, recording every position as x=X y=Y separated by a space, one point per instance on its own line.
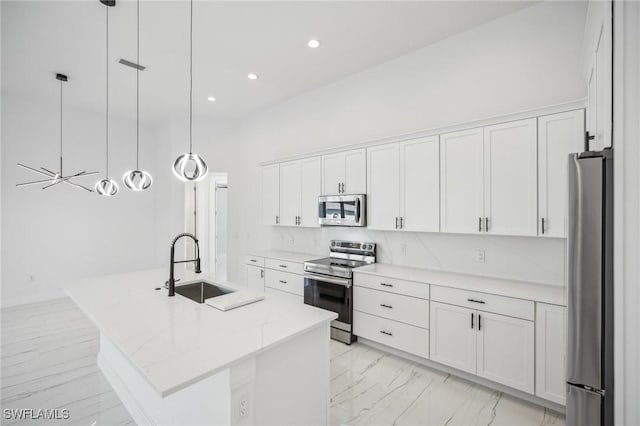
x=342 y=210
x=333 y=294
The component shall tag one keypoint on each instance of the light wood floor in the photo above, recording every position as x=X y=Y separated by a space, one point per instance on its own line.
x=49 y=362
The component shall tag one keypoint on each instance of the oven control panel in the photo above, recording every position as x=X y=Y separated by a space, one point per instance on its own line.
x=353 y=246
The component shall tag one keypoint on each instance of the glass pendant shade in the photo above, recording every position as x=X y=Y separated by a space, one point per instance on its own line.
x=137 y=180
x=107 y=187
x=190 y=167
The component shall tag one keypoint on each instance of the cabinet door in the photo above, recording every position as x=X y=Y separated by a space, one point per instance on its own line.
x=453 y=336
x=603 y=75
x=505 y=350
x=558 y=135
x=420 y=184
x=332 y=173
x=311 y=181
x=510 y=176
x=270 y=181
x=255 y=278
x=290 y=192
x=383 y=181
x=461 y=178
x=355 y=180
x=550 y=352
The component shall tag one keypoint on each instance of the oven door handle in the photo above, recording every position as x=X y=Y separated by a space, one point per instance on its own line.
x=331 y=280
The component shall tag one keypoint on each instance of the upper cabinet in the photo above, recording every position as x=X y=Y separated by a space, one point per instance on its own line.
x=299 y=191
x=558 y=136
x=270 y=185
x=403 y=185
x=344 y=173
x=510 y=178
x=461 y=180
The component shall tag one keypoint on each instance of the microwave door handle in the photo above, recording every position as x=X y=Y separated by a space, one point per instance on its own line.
x=357 y=210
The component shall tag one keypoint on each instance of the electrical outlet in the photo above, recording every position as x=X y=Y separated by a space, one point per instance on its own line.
x=480 y=256
x=243 y=407
x=403 y=249
x=32 y=278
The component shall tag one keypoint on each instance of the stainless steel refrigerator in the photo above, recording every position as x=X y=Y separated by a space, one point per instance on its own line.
x=590 y=290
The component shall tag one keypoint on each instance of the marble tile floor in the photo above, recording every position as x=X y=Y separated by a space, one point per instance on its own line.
x=49 y=361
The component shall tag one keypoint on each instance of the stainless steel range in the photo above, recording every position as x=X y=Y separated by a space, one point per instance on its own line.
x=328 y=283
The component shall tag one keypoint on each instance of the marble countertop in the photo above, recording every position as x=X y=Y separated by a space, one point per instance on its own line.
x=545 y=293
x=290 y=256
x=175 y=342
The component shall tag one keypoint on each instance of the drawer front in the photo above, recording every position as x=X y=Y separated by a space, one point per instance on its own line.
x=283 y=265
x=407 y=338
x=271 y=292
x=410 y=310
x=517 y=308
x=254 y=260
x=284 y=281
x=392 y=285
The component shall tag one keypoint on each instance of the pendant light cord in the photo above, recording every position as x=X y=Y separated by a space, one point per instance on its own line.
x=61 y=174
x=191 y=78
x=138 y=89
x=107 y=105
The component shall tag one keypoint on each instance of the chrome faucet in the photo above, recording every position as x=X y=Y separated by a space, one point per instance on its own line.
x=172 y=282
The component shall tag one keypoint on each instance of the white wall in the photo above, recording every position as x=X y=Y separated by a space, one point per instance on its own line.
x=62 y=233
x=526 y=60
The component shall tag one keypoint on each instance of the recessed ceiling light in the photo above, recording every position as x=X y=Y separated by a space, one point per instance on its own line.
x=211 y=99
x=313 y=43
x=252 y=76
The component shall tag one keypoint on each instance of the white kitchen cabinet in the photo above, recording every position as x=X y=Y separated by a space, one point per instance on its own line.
x=383 y=182
x=407 y=338
x=403 y=186
x=461 y=180
x=453 y=336
x=420 y=184
x=270 y=194
x=505 y=351
x=510 y=178
x=290 y=193
x=311 y=182
x=551 y=352
x=255 y=278
x=558 y=135
x=344 y=172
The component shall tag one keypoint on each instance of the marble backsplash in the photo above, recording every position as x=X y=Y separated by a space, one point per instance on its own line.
x=535 y=259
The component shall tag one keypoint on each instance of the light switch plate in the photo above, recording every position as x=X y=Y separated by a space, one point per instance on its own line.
x=480 y=256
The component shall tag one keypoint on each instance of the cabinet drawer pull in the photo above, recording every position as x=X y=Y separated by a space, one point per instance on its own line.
x=472 y=320
x=388 y=333
x=486 y=224
x=261 y=273
x=476 y=301
x=384 y=305
x=479 y=322
x=542 y=227
x=283 y=282
x=396 y=222
x=282 y=266
x=253 y=260
x=479 y=224
x=386 y=285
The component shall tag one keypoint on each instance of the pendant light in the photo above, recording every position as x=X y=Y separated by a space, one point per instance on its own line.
x=55 y=178
x=137 y=180
x=107 y=187
x=190 y=167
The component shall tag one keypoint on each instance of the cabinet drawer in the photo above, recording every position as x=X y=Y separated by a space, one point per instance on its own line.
x=254 y=260
x=392 y=285
x=283 y=265
x=517 y=308
x=283 y=295
x=410 y=310
x=395 y=334
x=284 y=281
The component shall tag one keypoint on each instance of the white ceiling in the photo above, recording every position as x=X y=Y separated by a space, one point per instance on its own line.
x=231 y=39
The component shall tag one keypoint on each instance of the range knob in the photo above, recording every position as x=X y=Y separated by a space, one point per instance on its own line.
x=333 y=243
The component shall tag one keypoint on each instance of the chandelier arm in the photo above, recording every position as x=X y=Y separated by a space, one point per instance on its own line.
x=35 y=182
x=49 y=173
x=77 y=185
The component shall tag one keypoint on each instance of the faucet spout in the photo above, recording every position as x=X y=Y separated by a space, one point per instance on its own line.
x=172 y=262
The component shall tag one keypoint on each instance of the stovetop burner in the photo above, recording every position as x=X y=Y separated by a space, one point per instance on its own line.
x=344 y=256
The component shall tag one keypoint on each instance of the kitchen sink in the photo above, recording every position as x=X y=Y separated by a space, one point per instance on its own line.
x=201 y=291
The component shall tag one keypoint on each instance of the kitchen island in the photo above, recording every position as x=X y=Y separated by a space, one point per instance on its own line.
x=174 y=361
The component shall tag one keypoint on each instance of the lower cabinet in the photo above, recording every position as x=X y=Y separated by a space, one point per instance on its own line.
x=255 y=278
x=496 y=347
x=407 y=338
x=271 y=292
x=551 y=326
x=285 y=281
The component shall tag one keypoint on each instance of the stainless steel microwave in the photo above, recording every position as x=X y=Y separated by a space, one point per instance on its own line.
x=342 y=210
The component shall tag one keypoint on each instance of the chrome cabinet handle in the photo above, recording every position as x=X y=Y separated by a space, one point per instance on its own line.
x=386 y=285
x=471 y=320
x=343 y=187
x=542 y=226
x=277 y=220
x=283 y=282
x=384 y=305
x=486 y=224
x=396 y=222
x=401 y=222
x=261 y=273
x=476 y=301
x=479 y=224
x=479 y=322
x=388 y=333
x=339 y=188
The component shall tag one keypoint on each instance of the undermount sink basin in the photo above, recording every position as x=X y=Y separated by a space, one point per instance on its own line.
x=201 y=291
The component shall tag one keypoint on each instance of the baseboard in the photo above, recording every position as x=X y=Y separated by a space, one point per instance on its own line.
x=134 y=409
x=470 y=377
